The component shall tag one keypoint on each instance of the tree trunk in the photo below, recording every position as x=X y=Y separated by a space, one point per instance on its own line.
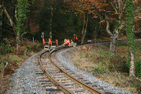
x=84 y=29
x=8 y=16
x=113 y=35
x=28 y=23
x=113 y=44
x=10 y=20
x=83 y=35
x=12 y=24
x=113 y=41
x=101 y=29
x=17 y=41
x=50 y=32
x=1 y=24
x=130 y=35
x=132 y=66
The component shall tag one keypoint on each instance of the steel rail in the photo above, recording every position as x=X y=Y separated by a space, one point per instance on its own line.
x=60 y=86
x=66 y=91
x=74 y=79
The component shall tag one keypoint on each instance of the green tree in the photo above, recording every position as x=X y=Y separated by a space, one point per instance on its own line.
x=130 y=35
x=20 y=11
x=21 y=16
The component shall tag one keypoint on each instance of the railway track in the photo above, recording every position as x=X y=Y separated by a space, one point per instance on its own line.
x=62 y=80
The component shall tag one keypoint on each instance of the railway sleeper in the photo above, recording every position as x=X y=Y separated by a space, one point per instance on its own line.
x=57 y=91
x=52 y=87
x=77 y=90
x=46 y=83
x=68 y=87
x=53 y=72
x=83 y=92
x=93 y=85
x=50 y=69
x=41 y=77
x=63 y=79
x=39 y=73
x=76 y=76
x=88 y=83
x=107 y=92
x=61 y=66
x=37 y=68
x=60 y=73
x=99 y=88
x=72 y=73
x=43 y=80
x=57 y=75
x=69 y=83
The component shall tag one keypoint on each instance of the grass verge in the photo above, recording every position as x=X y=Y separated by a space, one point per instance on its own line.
x=11 y=59
x=112 y=69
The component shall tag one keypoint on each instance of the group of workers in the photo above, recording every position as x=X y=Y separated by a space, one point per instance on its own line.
x=49 y=42
x=66 y=41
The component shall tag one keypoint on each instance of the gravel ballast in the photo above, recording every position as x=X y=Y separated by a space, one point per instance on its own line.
x=24 y=79
x=61 y=56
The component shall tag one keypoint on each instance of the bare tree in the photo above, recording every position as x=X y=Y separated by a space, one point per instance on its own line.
x=119 y=8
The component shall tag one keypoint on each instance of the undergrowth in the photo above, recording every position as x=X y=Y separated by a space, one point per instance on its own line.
x=13 y=58
x=113 y=69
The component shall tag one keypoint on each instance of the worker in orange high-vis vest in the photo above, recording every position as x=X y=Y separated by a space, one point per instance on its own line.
x=75 y=39
x=56 y=42
x=49 y=43
x=67 y=42
x=43 y=40
x=71 y=41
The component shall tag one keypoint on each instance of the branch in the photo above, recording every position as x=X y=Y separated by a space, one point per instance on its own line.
x=122 y=25
x=137 y=31
x=114 y=7
x=107 y=27
x=8 y=16
x=138 y=9
x=115 y=4
x=124 y=6
x=119 y=4
x=16 y=13
x=6 y=65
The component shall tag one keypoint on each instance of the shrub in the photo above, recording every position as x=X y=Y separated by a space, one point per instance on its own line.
x=7 y=46
x=119 y=64
x=5 y=49
x=121 y=44
x=138 y=68
x=100 y=70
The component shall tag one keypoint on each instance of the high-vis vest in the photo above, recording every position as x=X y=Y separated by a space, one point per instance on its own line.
x=50 y=42
x=43 y=40
x=56 y=42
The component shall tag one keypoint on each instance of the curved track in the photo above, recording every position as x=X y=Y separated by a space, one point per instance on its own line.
x=63 y=78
